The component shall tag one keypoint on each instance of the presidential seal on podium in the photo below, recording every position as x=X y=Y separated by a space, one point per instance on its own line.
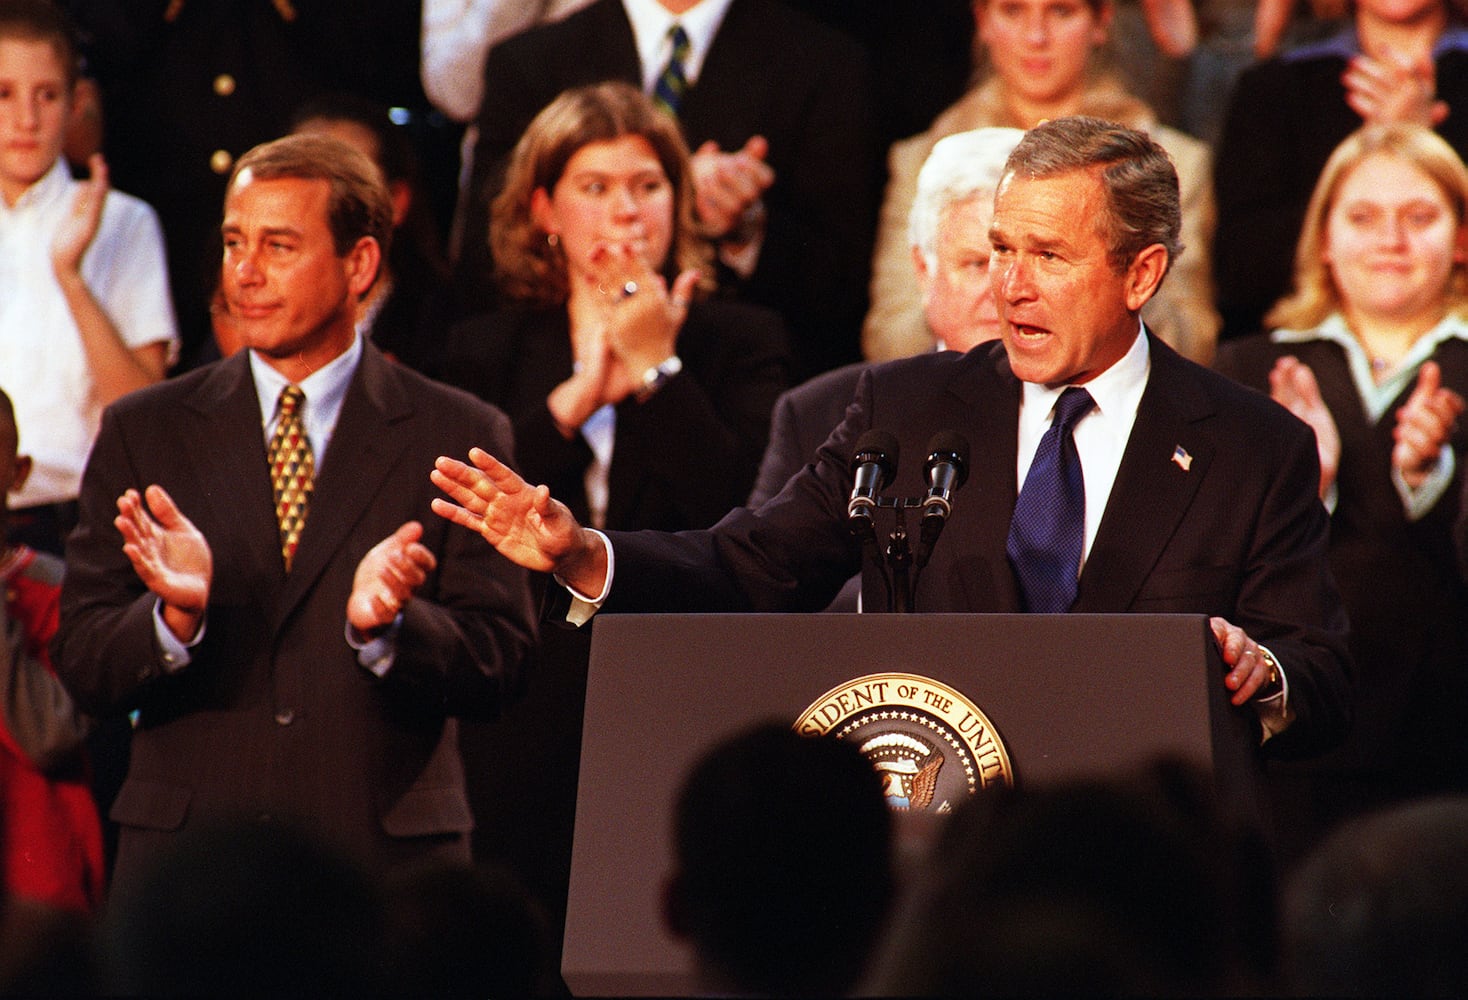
x=931 y=745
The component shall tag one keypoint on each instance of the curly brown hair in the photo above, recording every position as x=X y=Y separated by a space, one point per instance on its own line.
x=527 y=265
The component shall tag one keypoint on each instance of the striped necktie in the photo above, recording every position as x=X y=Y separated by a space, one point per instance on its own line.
x=671 y=84
x=292 y=470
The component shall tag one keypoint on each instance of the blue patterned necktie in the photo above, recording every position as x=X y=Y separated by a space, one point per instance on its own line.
x=671 y=84
x=1048 y=531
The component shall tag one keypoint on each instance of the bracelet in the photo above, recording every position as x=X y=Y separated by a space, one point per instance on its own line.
x=654 y=378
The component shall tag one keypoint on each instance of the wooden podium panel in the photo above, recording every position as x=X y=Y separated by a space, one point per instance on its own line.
x=1069 y=695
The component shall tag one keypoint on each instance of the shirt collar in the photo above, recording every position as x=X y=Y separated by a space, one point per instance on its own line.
x=651 y=22
x=1346 y=44
x=1117 y=391
x=325 y=389
x=1334 y=329
x=52 y=186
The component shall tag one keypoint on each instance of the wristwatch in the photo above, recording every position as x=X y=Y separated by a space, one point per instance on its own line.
x=1273 y=685
x=654 y=378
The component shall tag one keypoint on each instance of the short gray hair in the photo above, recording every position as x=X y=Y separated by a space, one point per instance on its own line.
x=1144 y=206
x=960 y=166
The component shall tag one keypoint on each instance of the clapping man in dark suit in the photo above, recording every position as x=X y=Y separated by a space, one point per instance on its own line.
x=1188 y=494
x=280 y=672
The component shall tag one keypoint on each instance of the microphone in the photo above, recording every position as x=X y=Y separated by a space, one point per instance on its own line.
x=945 y=471
x=872 y=466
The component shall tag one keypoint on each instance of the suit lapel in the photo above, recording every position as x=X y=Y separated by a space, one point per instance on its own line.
x=1165 y=461
x=363 y=452
x=609 y=51
x=732 y=86
x=991 y=490
x=226 y=458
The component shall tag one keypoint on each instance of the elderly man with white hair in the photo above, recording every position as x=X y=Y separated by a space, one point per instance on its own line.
x=948 y=228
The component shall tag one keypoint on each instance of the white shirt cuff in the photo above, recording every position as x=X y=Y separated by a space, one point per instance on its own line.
x=376 y=655
x=176 y=654
x=584 y=606
x=1274 y=712
x=1416 y=503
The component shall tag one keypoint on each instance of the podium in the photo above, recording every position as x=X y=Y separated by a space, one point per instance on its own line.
x=1067 y=695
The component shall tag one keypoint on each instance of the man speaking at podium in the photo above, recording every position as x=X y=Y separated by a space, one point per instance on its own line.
x=1108 y=474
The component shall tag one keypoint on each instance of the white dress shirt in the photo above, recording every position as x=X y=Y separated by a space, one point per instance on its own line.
x=651 y=22
x=43 y=365
x=1100 y=435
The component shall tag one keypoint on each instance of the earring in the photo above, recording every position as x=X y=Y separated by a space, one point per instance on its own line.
x=552 y=240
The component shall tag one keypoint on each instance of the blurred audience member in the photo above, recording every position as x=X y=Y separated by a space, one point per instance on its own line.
x=947 y=240
x=783 y=871
x=641 y=401
x=406 y=313
x=50 y=836
x=921 y=55
x=246 y=909
x=1372 y=351
x=84 y=310
x=1394 y=61
x=189 y=85
x=458 y=34
x=1136 y=884
x=1182 y=57
x=1381 y=907
x=454 y=930
x=1038 y=55
x=778 y=110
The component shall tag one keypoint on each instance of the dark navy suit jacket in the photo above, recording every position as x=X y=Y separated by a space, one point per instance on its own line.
x=1239 y=532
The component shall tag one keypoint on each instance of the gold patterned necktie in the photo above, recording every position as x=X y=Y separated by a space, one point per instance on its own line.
x=292 y=470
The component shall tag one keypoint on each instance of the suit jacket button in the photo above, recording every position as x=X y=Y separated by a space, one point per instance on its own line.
x=285 y=717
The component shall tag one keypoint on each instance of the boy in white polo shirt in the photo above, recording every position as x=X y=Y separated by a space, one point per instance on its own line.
x=85 y=314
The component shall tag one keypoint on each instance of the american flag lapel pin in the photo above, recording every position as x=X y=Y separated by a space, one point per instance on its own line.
x=1181 y=458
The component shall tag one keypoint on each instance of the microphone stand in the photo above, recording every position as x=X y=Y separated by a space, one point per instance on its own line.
x=900 y=566
x=946 y=471
x=866 y=531
x=899 y=561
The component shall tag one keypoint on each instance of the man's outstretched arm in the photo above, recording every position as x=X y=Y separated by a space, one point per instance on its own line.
x=524 y=523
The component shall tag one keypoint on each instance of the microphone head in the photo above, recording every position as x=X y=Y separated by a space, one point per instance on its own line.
x=879 y=447
x=951 y=447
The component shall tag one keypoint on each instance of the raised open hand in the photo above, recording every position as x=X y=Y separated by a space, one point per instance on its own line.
x=1424 y=424
x=524 y=523
x=1293 y=385
x=387 y=577
x=1393 y=87
x=169 y=554
x=79 y=227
